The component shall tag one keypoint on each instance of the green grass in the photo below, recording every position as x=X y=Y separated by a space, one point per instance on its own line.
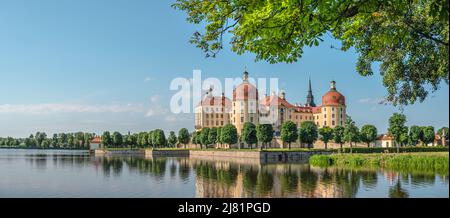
x=437 y=162
x=406 y=149
x=122 y=149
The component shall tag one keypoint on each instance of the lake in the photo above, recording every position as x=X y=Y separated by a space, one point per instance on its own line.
x=77 y=174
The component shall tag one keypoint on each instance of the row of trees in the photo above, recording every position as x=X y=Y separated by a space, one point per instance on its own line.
x=308 y=133
x=415 y=135
x=78 y=140
x=155 y=138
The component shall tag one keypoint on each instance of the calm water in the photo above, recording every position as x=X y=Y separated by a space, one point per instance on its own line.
x=33 y=173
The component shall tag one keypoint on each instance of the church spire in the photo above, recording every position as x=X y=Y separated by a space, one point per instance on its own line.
x=310 y=97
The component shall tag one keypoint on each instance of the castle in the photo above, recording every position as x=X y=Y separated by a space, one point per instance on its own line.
x=246 y=106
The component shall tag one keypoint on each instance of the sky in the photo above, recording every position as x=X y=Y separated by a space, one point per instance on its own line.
x=100 y=65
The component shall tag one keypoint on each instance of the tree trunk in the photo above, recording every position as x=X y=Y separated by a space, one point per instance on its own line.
x=351 y=148
x=289 y=146
x=340 y=149
x=326 y=146
x=368 y=144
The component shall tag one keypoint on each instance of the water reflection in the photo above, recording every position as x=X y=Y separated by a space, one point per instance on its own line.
x=206 y=178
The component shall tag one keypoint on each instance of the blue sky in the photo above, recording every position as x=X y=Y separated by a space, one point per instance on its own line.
x=107 y=65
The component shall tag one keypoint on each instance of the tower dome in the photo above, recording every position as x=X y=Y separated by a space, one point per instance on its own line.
x=333 y=97
x=245 y=90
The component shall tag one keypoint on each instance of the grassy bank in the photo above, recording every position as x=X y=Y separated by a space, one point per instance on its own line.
x=407 y=149
x=418 y=162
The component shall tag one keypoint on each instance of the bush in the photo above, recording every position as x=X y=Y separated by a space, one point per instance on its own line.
x=409 y=149
x=414 y=162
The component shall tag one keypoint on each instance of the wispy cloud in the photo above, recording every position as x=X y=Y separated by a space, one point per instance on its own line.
x=155 y=108
x=69 y=108
x=372 y=100
x=148 y=79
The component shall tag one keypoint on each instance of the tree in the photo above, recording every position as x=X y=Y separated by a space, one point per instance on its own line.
x=249 y=134
x=212 y=136
x=428 y=135
x=172 y=139
x=159 y=138
x=264 y=134
x=410 y=41
x=338 y=136
x=87 y=140
x=289 y=132
x=326 y=134
x=55 y=141
x=62 y=140
x=351 y=132
x=308 y=133
x=117 y=139
x=183 y=137
x=415 y=135
x=204 y=137
x=368 y=134
x=397 y=128
x=229 y=134
x=106 y=139
x=132 y=140
x=219 y=133
x=40 y=137
x=443 y=133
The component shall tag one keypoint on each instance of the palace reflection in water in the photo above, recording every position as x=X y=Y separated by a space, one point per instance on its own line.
x=82 y=175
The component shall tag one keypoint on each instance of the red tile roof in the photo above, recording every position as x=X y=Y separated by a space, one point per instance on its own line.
x=245 y=91
x=276 y=100
x=96 y=140
x=385 y=137
x=215 y=101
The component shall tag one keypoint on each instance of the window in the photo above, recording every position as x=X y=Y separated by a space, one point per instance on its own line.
x=217 y=123
x=333 y=123
x=324 y=123
x=207 y=122
x=221 y=116
x=207 y=115
x=242 y=119
x=221 y=123
x=332 y=115
x=332 y=109
x=217 y=115
x=251 y=119
x=325 y=116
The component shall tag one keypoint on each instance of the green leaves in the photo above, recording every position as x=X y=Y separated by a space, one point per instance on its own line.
x=307 y=132
x=409 y=41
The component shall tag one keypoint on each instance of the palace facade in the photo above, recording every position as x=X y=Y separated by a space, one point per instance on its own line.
x=247 y=106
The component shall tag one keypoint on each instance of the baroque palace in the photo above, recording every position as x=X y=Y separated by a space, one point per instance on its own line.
x=246 y=106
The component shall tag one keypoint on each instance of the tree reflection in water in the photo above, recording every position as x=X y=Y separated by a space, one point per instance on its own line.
x=397 y=191
x=289 y=181
x=230 y=179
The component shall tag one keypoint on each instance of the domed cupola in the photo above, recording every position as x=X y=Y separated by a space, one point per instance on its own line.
x=333 y=97
x=246 y=90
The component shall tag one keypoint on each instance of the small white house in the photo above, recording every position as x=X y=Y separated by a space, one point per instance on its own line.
x=96 y=143
x=385 y=141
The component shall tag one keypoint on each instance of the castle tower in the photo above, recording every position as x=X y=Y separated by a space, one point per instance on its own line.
x=333 y=109
x=310 y=96
x=245 y=104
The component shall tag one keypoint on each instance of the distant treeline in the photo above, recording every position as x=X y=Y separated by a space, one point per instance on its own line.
x=40 y=140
